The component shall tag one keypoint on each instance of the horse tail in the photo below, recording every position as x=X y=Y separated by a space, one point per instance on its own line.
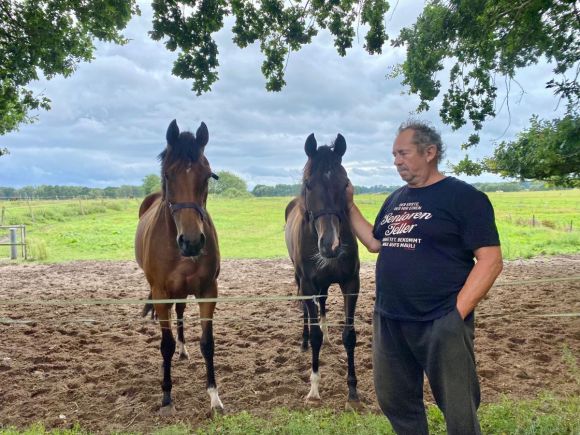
x=147 y=308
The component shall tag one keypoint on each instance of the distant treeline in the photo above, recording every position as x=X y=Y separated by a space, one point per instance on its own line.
x=294 y=189
x=64 y=192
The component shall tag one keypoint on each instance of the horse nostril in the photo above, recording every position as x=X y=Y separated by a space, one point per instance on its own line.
x=180 y=240
x=201 y=240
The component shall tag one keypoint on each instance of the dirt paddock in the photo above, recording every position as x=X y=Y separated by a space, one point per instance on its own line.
x=99 y=365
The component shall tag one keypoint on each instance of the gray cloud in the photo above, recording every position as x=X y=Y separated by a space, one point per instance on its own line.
x=108 y=120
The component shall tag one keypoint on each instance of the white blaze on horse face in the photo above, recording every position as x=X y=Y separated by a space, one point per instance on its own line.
x=327 y=175
x=314 y=381
x=335 y=237
x=215 y=400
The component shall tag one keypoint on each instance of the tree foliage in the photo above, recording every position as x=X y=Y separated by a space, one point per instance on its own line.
x=151 y=183
x=547 y=151
x=50 y=37
x=277 y=25
x=228 y=184
x=487 y=41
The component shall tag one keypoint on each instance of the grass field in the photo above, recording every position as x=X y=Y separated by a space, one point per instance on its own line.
x=543 y=416
x=530 y=224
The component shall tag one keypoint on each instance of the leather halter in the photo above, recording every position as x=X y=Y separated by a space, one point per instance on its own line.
x=173 y=207
x=312 y=216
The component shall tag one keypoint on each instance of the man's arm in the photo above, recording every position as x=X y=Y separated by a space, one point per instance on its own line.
x=488 y=267
x=362 y=228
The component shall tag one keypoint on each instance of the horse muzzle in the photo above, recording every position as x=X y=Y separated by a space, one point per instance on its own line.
x=190 y=248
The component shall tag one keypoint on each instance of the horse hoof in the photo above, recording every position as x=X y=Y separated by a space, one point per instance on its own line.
x=313 y=402
x=304 y=347
x=167 y=410
x=353 y=405
x=217 y=411
x=183 y=356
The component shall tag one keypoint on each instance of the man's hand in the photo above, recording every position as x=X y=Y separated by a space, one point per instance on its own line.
x=349 y=195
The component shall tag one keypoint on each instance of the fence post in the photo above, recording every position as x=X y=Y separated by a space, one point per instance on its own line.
x=533 y=220
x=30 y=210
x=81 y=206
x=13 y=248
x=2 y=216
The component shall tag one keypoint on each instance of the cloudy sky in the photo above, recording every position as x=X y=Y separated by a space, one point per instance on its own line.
x=108 y=120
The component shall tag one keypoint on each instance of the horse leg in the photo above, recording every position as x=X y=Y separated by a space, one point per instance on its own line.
x=167 y=350
x=305 y=330
x=323 y=323
x=350 y=292
x=183 y=353
x=316 y=344
x=206 y=344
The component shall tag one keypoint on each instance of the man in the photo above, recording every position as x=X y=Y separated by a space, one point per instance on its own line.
x=427 y=235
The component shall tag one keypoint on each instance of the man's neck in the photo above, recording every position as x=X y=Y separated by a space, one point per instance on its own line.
x=431 y=177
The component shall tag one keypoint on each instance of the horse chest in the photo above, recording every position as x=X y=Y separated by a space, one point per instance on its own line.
x=191 y=278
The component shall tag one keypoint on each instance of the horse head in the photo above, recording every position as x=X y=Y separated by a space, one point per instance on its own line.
x=324 y=193
x=185 y=173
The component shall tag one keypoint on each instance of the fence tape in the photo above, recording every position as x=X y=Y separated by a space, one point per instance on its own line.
x=227 y=299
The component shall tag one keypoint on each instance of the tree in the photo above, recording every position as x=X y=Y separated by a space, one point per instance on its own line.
x=487 y=40
x=50 y=37
x=151 y=183
x=547 y=151
x=227 y=181
x=484 y=40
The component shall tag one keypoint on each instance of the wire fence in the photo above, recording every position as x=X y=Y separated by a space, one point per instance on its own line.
x=243 y=299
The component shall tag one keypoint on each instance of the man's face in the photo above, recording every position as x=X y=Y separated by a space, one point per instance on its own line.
x=411 y=163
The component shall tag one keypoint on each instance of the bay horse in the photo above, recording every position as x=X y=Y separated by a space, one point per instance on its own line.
x=176 y=245
x=323 y=248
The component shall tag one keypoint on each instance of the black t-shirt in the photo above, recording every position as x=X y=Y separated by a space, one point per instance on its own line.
x=428 y=236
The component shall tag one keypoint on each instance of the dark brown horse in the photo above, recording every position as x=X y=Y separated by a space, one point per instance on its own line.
x=176 y=246
x=324 y=250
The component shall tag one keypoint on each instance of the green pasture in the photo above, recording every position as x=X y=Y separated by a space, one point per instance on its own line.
x=530 y=224
x=543 y=416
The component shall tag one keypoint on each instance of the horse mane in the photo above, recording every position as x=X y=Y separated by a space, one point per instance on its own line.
x=185 y=151
x=324 y=160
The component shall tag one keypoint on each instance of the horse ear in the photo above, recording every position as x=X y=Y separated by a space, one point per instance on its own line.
x=172 y=133
x=202 y=135
x=340 y=145
x=310 y=145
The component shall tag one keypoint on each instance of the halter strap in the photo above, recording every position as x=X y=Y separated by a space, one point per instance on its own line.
x=173 y=207
x=325 y=211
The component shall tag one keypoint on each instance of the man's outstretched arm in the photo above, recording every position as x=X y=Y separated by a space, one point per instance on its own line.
x=362 y=228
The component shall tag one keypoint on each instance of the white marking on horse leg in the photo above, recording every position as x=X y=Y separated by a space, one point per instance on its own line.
x=215 y=399
x=314 y=381
x=324 y=327
x=183 y=353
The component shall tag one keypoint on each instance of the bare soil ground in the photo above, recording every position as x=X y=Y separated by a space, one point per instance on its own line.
x=99 y=365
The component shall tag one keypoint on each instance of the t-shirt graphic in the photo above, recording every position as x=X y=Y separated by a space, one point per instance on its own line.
x=428 y=237
x=400 y=223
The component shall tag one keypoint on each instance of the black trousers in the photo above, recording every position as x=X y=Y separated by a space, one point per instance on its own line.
x=443 y=350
